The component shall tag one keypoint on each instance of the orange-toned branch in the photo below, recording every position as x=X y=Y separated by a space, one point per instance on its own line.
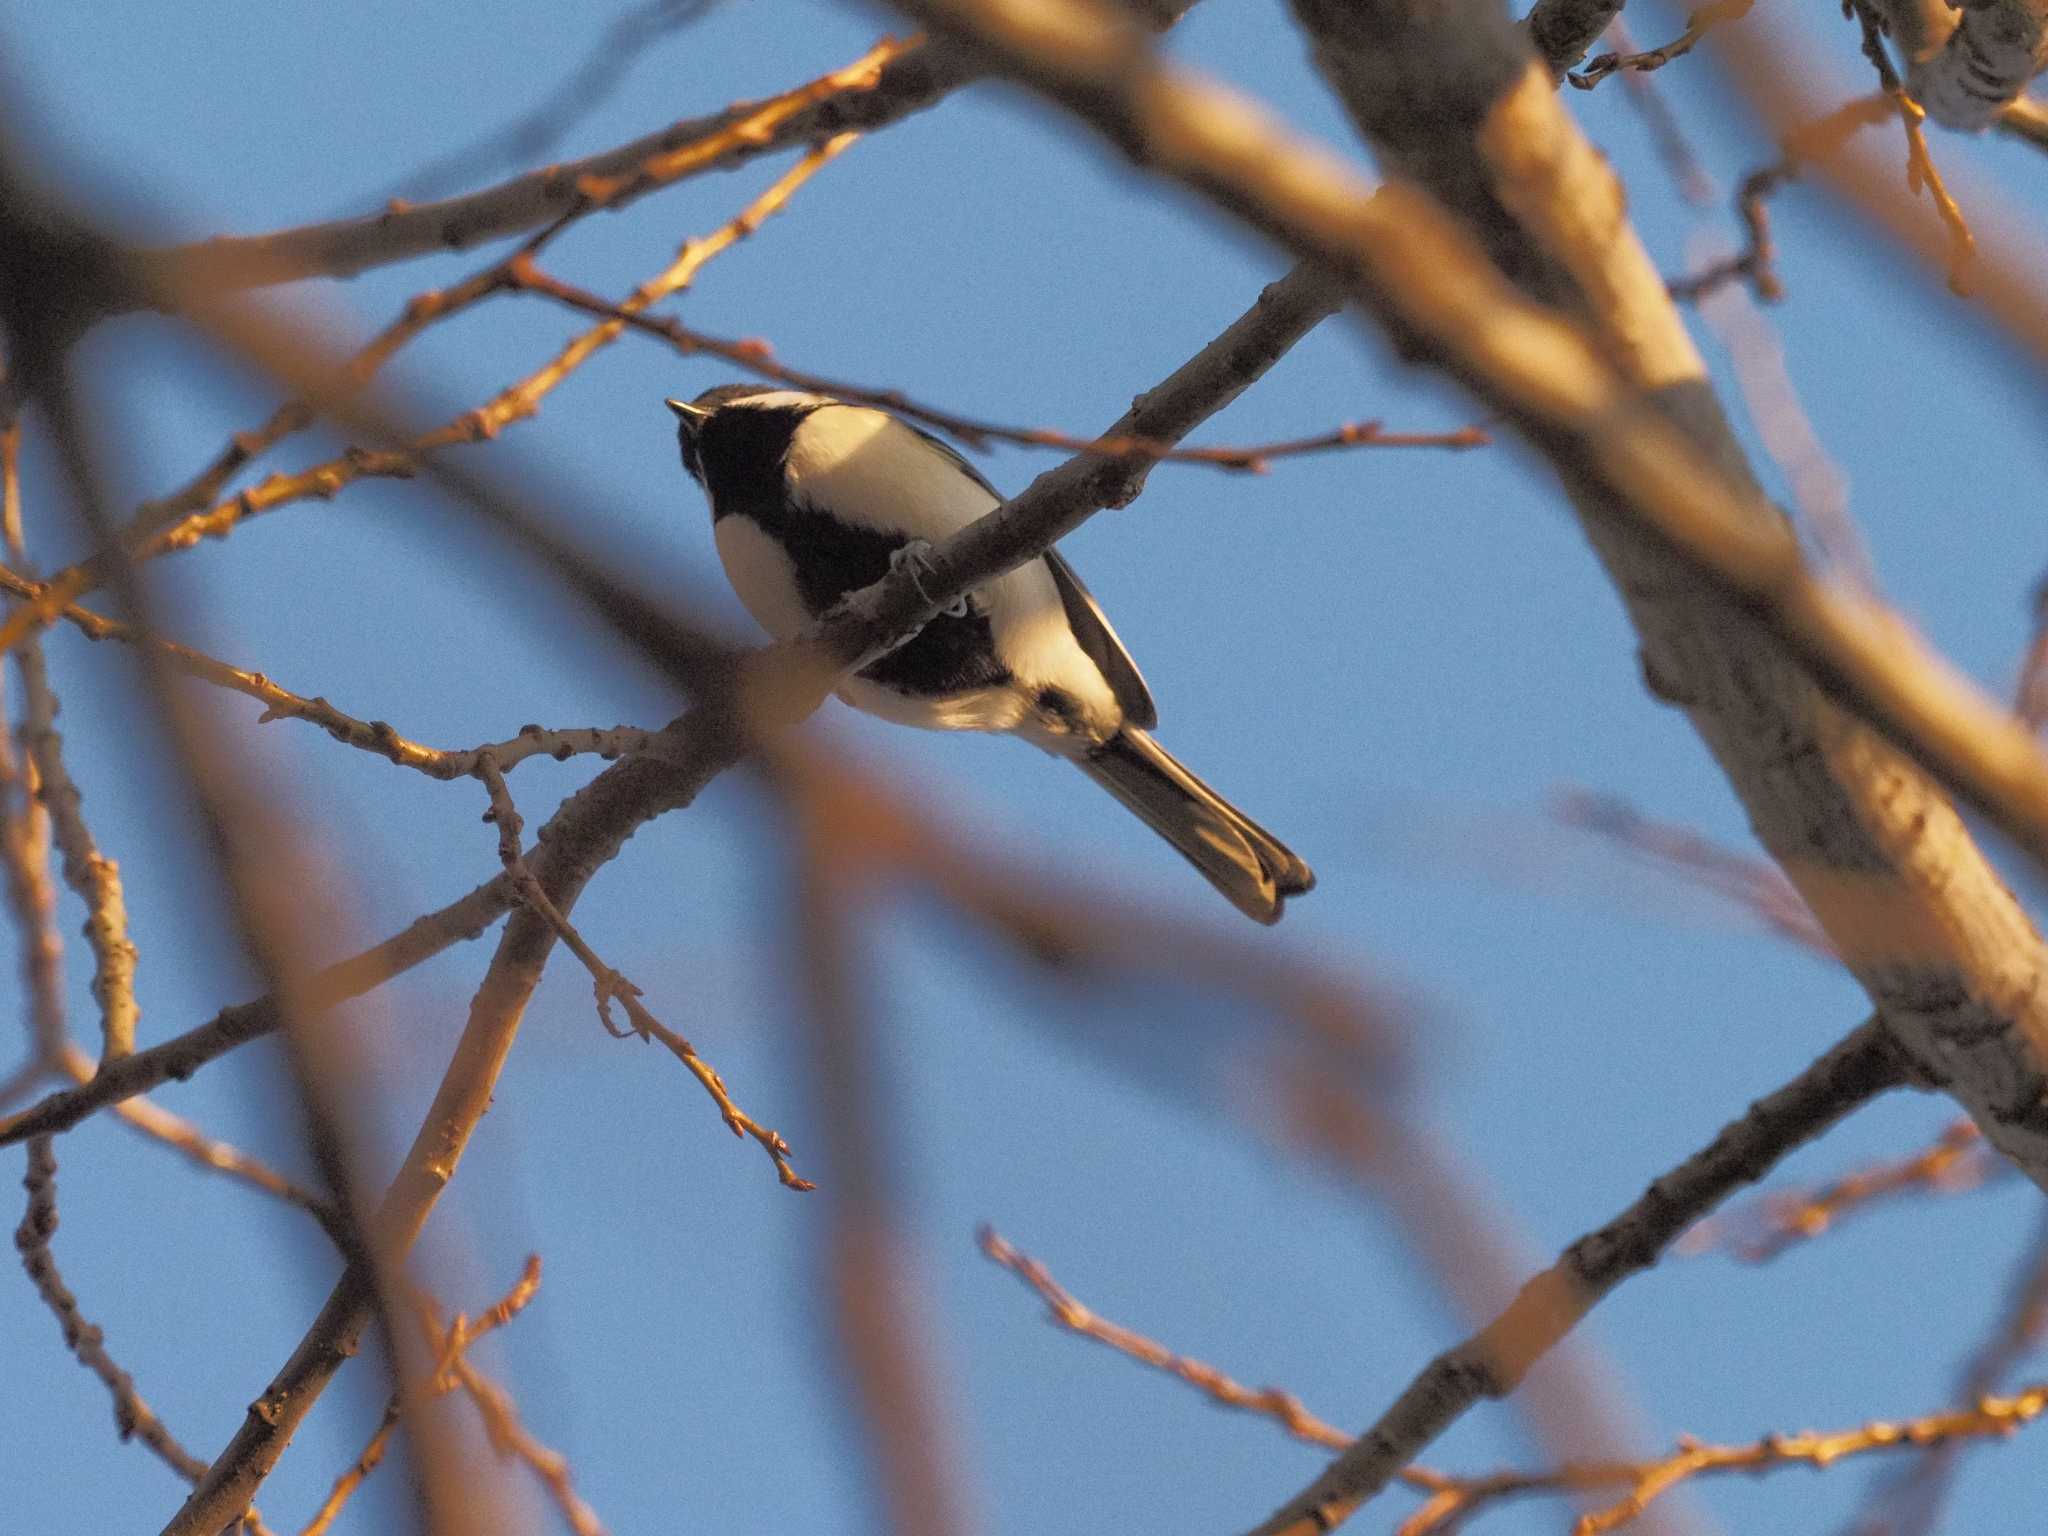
x=884 y=85
x=1697 y=26
x=1492 y=1362
x=1909 y=1503
x=96 y=878
x=1453 y=1498
x=449 y=1348
x=209 y=1152
x=179 y=1057
x=374 y=736
x=508 y=1436
x=758 y=358
x=610 y=986
x=133 y=1417
x=173 y=525
x=1957 y=1160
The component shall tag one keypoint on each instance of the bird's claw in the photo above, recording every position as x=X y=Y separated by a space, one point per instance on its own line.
x=915 y=556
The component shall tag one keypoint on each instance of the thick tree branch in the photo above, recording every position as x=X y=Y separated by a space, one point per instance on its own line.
x=596 y=822
x=1713 y=575
x=588 y=831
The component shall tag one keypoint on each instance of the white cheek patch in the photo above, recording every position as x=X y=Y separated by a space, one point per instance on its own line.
x=763 y=575
x=872 y=471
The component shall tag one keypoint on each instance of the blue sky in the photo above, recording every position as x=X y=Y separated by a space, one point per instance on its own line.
x=1390 y=658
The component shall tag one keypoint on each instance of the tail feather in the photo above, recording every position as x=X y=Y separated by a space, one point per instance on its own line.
x=1253 y=869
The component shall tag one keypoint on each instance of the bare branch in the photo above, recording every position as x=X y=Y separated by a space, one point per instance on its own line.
x=1909 y=1504
x=1697 y=26
x=95 y=878
x=1955 y=1161
x=449 y=1350
x=133 y=1418
x=610 y=986
x=758 y=358
x=167 y=526
x=374 y=736
x=508 y=1437
x=1492 y=1362
x=1656 y=501
x=868 y=94
x=1454 y=1498
x=213 y=1154
x=178 y=1058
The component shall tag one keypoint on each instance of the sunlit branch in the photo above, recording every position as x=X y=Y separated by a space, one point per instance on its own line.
x=758 y=358
x=611 y=987
x=164 y=527
x=450 y=1348
x=1492 y=1362
x=1955 y=1161
x=869 y=93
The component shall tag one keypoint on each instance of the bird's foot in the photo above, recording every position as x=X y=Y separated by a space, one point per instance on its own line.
x=915 y=556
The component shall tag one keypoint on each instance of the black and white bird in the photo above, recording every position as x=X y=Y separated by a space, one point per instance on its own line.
x=812 y=498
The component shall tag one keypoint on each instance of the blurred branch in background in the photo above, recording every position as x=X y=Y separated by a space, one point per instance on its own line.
x=1556 y=322
x=616 y=52
x=451 y=1345
x=1451 y=1499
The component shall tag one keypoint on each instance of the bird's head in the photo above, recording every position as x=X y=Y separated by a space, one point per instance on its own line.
x=693 y=416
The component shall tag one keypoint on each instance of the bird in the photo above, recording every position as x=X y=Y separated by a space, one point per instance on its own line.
x=813 y=498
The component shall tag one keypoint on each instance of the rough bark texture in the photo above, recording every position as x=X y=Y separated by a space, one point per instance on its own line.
x=1448 y=96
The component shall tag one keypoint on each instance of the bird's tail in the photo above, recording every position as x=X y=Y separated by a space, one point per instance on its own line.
x=1249 y=865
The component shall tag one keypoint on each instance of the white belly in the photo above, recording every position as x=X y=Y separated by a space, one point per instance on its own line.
x=1027 y=622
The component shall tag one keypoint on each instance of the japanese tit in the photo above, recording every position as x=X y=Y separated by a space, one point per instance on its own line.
x=812 y=498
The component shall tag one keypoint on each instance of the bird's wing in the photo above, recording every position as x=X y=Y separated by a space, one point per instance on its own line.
x=953 y=456
x=1099 y=641
x=1084 y=615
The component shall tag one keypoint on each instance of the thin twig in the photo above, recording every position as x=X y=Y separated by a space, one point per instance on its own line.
x=95 y=878
x=610 y=986
x=375 y=736
x=758 y=357
x=1910 y=1502
x=587 y=88
x=1454 y=1498
x=133 y=1418
x=1697 y=26
x=866 y=94
x=32 y=898
x=209 y=1152
x=508 y=1436
x=1955 y=1161
x=449 y=1348
x=1493 y=1361
x=178 y=1058
x=1756 y=262
x=171 y=525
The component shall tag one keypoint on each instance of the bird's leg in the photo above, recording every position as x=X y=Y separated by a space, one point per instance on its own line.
x=915 y=555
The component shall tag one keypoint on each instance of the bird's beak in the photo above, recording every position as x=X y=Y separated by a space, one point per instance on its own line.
x=694 y=414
